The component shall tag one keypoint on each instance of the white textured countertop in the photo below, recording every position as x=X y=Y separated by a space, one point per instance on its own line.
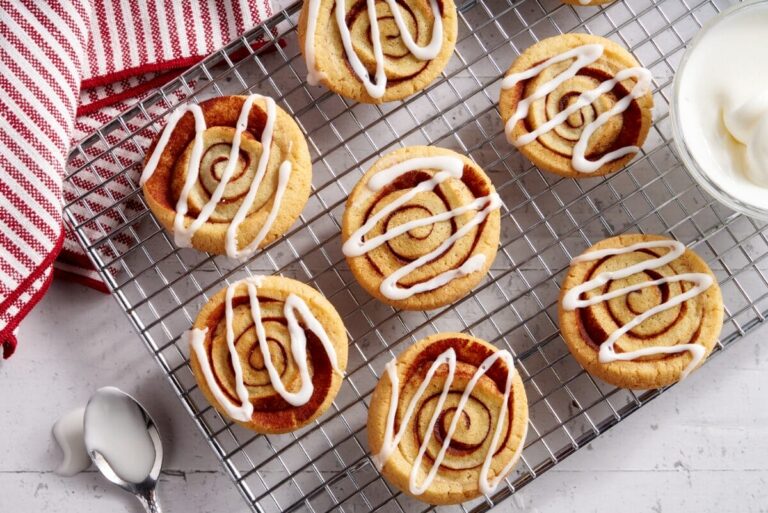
x=701 y=447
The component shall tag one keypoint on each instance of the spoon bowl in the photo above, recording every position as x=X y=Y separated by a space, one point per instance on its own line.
x=119 y=435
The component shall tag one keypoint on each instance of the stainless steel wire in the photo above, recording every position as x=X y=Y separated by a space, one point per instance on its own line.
x=546 y=220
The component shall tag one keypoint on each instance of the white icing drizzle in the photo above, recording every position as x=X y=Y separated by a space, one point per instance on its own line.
x=423 y=53
x=450 y=167
x=173 y=120
x=242 y=411
x=747 y=123
x=68 y=433
x=283 y=175
x=584 y=55
x=261 y=170
x=314 y=76
x=607 y=352
x=392 y=439
x=374 y=89
x=292 y=305
x=183 y=234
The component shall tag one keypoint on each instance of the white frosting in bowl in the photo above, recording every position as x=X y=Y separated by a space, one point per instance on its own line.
x=722 y=107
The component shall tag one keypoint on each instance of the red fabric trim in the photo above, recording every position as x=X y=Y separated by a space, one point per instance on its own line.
x=111 y=78
x=23 y=286
x=7 y=337
x=89 y=108
x=83 y=262
x=72 y=258
x=61 y=274
x=9 y=346
x=182 y=62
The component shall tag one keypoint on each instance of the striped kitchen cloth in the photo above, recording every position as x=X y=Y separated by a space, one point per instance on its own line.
x=66 y=67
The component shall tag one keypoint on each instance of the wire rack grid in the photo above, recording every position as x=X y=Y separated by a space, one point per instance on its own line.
x=545 y=220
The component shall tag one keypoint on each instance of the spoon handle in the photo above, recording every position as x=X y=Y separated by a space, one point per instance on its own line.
x=148 y=499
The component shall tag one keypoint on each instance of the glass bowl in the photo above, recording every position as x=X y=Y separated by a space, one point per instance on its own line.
x=684 y=152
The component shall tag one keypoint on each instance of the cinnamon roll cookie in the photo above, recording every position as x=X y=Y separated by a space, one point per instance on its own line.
x=577 y=105
x=379 y=56
x=448 y=419
x=640 y=311
x=421 y=227
x=228 y=176
x=269 y=353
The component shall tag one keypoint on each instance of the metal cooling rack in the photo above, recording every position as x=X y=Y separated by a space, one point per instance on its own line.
x=325 y=467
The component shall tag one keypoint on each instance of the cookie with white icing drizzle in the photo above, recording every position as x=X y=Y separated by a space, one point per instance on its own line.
x=376 y=51
x=228 y=176
x=640 y=311
x=448 y=419
x=577 y=105
x=269 y=353
x=421 y=227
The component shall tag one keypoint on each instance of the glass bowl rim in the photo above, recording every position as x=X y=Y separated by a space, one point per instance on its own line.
x=688 y=160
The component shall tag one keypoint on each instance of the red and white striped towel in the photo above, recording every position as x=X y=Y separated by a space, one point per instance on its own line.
x=66 y=67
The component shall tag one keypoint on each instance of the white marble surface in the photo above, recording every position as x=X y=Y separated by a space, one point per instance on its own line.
x=702 y=447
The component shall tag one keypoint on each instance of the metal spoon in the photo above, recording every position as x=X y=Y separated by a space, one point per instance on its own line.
x=115 y=402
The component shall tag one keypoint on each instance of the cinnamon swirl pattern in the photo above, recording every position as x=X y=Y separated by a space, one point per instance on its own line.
x=376 y=51
x=421 y=228
x=269 y=353
x=577 y=105
x=448 y=419
x=228 y=176
x=640 y=311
